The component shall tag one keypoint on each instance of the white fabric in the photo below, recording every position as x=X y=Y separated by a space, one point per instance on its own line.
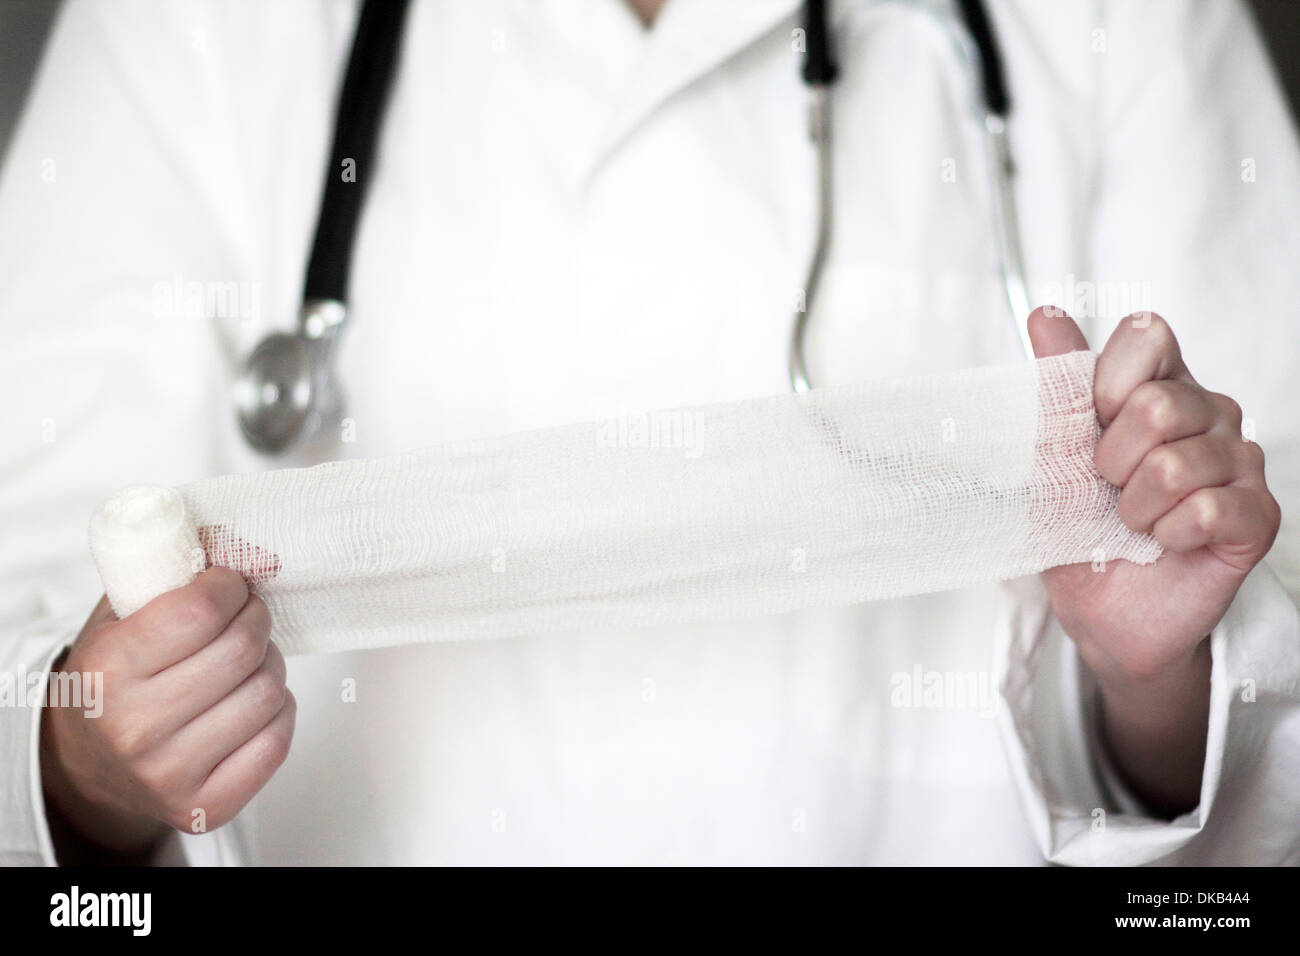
x=613 y=220
x=144 y=543
x=747 y=509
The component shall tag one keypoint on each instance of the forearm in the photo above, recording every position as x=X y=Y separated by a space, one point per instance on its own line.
x=1155 y=731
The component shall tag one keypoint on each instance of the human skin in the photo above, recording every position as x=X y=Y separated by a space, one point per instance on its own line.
x=196 y=717
x=1190 y=479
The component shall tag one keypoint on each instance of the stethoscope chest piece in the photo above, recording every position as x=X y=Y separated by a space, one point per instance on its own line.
x=286 y=390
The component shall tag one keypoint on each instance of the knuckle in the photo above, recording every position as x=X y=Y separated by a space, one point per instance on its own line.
x=1109 y=386
x=1229 y=408
x=266 y=691
x=245 y=649
x=160 y=779
x=126 y=738
x=276 y=750
x=227 y=579
x=283 y=732
x=1159 y=327
x=1272 y=512
x=1109 y=469
x=258 y=615
x=1151 y=325
x=1168 y=469
x=1155 y=406
x=276 y=747
x=270 y=749
x=1108 y=398
x=1126 y=513
x=103 y=652
x=1207 y=512
x=203 y=615
x=1252 y=454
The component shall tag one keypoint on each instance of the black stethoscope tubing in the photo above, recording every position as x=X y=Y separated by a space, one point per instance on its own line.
x=287 y=387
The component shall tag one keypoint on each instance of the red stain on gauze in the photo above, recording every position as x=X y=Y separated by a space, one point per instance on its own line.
x=226 y=549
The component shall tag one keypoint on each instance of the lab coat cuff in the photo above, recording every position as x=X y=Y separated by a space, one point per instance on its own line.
x=24 y=829
x=1079 y=808
x=40 y=819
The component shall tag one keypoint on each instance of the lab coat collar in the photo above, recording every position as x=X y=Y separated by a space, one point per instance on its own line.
x=689 y=39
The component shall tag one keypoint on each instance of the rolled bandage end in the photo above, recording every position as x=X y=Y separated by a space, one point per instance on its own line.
x=144 y=544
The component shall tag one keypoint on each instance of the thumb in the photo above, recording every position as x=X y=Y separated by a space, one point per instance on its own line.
x=1052 y=332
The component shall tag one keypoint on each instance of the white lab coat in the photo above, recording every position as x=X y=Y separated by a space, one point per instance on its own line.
x=576 y=218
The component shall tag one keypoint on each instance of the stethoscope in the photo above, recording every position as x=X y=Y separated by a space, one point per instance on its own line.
x=287 y=389
x=980 y=52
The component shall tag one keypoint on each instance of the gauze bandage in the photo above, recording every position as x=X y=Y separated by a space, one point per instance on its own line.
x=144 y=544
x=737 y=510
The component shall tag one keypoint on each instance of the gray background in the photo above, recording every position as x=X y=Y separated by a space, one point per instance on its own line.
x=25 y=23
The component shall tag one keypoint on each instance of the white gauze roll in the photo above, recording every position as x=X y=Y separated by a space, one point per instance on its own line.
x=144 y=544
x=742 y=509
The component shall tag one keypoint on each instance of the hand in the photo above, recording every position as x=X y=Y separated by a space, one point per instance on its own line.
x=1191 y=480
x=196 y=716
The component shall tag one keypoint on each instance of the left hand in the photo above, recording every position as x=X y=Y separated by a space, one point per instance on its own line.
x=1188 y=477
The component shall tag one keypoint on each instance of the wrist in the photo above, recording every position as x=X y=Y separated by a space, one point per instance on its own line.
x=1152 y=698
x=1155 y=728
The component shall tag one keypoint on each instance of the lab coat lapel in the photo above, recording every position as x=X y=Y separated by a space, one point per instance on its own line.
x=690 y=38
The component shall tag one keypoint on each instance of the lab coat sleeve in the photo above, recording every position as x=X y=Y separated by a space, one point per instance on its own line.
x=1199 y=190
x=26 y=658
x=1078 y=807
x=106 y=199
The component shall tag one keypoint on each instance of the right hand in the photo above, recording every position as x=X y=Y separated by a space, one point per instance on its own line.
x=196 y=716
